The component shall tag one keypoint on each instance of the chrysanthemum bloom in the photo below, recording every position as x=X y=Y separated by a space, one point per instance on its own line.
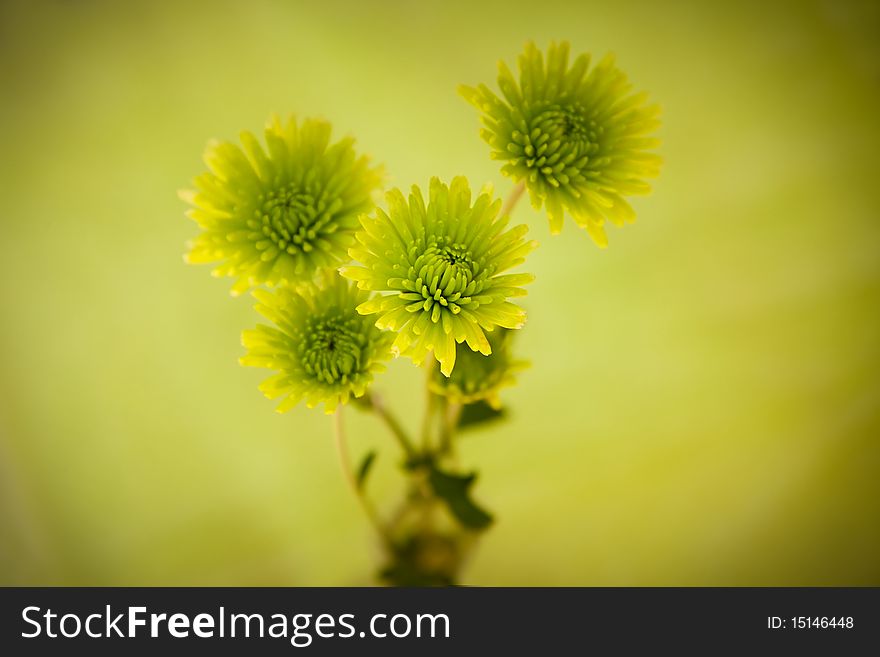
x=323 y=349
x=443 y=264
x=280 y=215
x=477 y=377
x=578 y=140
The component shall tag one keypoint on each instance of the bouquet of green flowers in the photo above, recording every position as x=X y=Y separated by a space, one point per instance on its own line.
x=347 y=284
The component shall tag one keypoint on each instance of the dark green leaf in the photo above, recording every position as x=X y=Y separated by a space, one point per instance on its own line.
x=479 y=413
x=455 y=491
x=364 y=470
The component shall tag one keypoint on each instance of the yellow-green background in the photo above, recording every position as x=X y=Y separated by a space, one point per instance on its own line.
x=704 y=405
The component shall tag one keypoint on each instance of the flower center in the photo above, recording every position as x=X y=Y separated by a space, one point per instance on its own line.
x=445 y=275
x=454 y=255
x=572 y=125
x=562 y=144
x=332 y=348
x=292 y=218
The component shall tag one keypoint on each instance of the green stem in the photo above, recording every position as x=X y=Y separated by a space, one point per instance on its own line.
x=449 y=421
x=513 y=198
x=345 y=462
x=430 y=406
x=426 y=421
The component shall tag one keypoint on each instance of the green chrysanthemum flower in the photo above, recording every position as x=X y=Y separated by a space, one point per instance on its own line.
x=282 y=215
x=443 y=263
x=577 y=140
x=323 y=349
x=477 y=377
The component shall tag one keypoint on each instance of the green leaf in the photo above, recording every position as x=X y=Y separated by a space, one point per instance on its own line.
x=455 y=491
x=364 y=470
x=479 y=413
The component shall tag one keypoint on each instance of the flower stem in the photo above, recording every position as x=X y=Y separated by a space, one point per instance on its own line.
x=430 y=404
x=449 y=417
x=345 y=462
x=426 y=421
x=393 y=425
x=513 y=198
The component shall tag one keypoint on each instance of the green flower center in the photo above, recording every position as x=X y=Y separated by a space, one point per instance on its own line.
x=445 y=275
x=566 y=128
x=332 y=348
x=562 y=145
x=570 y=123
x=455 y=255
x=293 y=218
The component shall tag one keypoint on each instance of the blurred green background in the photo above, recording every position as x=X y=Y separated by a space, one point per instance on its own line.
x=704 y=404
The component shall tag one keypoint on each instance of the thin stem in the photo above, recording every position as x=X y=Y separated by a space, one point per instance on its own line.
x=393 y=425
x=513 y=198
x=444 y=429
x=449 y=418
x=345 y=462
x=430 y=406
x=426 y=421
